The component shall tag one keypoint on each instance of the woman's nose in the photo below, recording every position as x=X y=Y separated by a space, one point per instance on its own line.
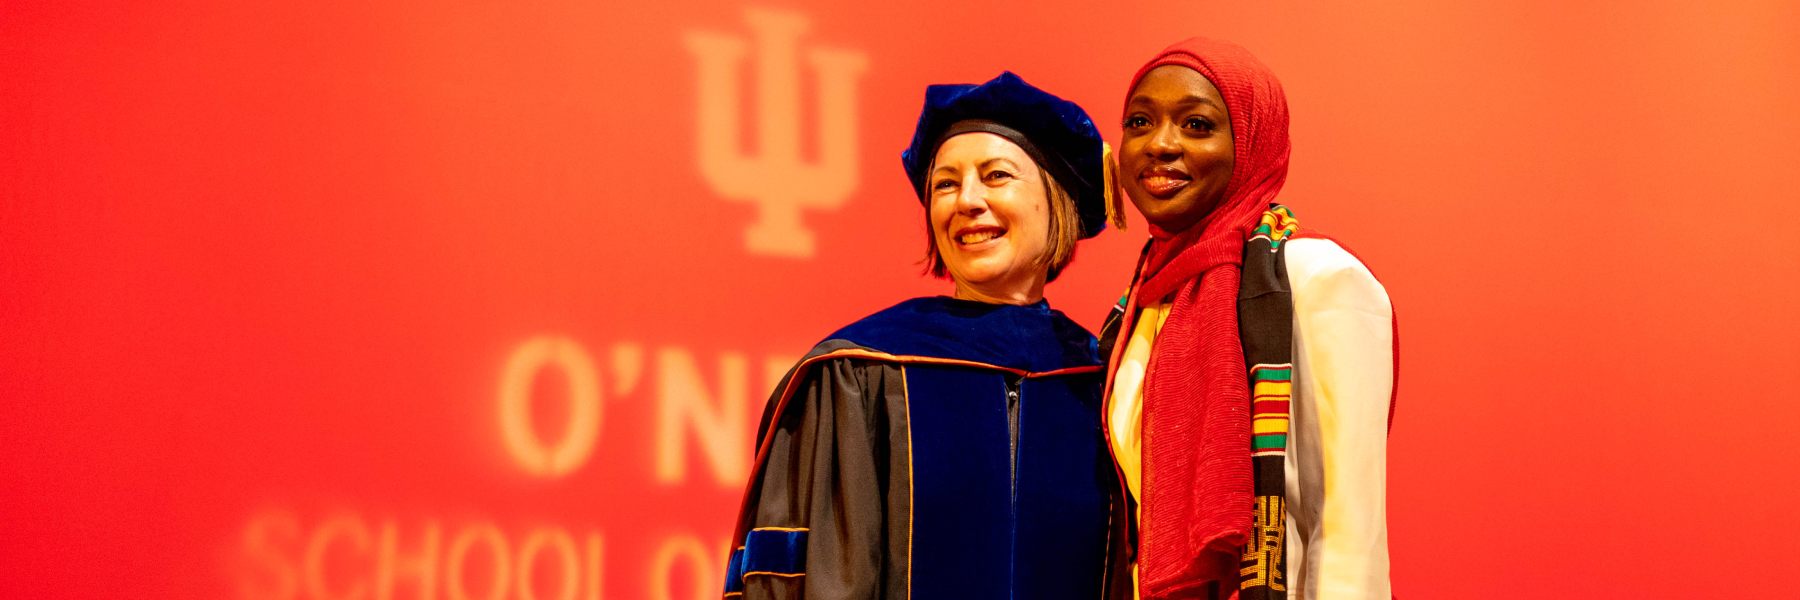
x=972 y=198
x=1163 y=143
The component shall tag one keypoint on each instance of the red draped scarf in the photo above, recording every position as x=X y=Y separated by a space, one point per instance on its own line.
x=1198 y=497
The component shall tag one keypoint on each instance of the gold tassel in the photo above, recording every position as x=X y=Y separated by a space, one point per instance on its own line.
x=1115 y=207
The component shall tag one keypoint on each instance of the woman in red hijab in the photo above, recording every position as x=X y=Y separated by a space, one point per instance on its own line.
x=1252 y=362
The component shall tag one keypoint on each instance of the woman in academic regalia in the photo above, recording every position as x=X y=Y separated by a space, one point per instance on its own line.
x=951 y=446
x=1252 y=363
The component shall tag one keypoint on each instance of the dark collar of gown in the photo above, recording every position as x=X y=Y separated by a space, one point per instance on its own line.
x=1031 y=338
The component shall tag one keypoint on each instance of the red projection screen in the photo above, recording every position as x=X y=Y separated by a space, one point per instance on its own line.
x=482 y=299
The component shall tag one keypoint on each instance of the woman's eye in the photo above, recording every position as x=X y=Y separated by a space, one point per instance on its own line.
x=1136 y=121
x=1198 y=124
x=944 y=184
x=998 y=175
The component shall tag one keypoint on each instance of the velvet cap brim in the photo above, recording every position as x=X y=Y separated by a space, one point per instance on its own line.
x=1059 y=135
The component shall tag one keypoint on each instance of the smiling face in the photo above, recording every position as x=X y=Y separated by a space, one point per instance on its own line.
x=990 y=218
x=1175 y=156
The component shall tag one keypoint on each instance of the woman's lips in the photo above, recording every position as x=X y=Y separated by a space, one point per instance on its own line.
x=1164 y=182
x=1163 y=187
x=973 y=238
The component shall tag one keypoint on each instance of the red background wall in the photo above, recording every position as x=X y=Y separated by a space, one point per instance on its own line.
x=263 y=267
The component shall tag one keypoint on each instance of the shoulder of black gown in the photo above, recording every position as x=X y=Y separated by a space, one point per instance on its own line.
x=1033 y=337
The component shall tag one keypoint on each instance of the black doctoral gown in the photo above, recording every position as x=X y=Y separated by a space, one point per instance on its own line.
x=941 y=448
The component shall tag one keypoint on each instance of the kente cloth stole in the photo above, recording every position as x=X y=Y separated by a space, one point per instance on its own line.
x=1266 y=326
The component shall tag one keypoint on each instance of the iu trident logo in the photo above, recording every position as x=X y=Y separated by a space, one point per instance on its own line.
x=776 y=178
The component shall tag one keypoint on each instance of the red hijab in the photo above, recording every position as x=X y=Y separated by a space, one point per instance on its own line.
x=1197 y=488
